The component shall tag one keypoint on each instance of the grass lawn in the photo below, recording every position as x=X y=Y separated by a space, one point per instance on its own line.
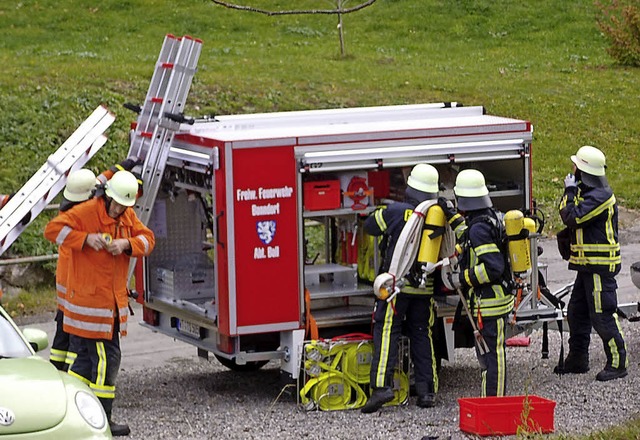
x=544 y=61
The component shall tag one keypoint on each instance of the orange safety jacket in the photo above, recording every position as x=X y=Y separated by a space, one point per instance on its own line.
x=96 y=280
x=64 y=254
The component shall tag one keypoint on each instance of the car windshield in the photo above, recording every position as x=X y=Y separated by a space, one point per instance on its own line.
x=11 y=344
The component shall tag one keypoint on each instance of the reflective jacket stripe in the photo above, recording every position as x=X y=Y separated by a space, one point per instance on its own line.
x=64 y=232
x=592 y=214
x=495 y=306
x=90 y=311
x=61 y=292
x=458 y=225
x=426 y=290
x=100 y=329
x=479 y=270
x=145 y=242
x=380 y=220
x=596 y=212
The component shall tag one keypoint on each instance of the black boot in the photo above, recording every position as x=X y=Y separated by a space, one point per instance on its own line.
x=574 y=364
x=610 y=373
x=118 y=430
x=379 y=397
x=426 y=400
x=426 y=396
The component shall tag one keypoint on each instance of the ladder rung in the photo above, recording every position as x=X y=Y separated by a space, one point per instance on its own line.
x=45 y=184
x=169 y=87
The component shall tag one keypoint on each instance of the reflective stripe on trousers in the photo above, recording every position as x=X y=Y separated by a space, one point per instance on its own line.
x=494 y=376
x=593 y=303
x=387 y=329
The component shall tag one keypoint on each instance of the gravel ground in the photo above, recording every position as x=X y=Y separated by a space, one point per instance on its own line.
x=204 y=400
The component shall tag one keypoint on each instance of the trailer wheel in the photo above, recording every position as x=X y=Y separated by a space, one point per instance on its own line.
x=248 y=367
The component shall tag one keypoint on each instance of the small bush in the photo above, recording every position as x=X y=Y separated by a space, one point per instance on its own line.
x=620 y=23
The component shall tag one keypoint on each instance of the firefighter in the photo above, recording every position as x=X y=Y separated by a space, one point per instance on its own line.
x=414 y=304
x=81 y=186
x=483 y=273
x=588 y=208
x=102 y=234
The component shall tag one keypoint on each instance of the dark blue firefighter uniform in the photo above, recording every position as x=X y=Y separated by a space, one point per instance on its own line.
x=413 y=305
x=97 y=365
x=484 y=276
x=591 y=214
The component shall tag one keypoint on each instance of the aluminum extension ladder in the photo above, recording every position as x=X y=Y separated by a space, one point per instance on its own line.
x=161 y=114
x=30 y=200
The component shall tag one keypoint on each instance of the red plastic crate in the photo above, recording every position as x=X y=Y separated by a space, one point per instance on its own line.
x=503 y=415
x=322 y=194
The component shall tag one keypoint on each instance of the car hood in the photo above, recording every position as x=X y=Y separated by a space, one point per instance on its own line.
x=34 y=392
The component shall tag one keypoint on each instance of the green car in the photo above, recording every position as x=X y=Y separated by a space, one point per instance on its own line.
x=36 y=400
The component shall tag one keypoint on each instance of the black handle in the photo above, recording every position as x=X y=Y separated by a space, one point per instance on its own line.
x=179 y=118
x=133 y=107
x=218 y=229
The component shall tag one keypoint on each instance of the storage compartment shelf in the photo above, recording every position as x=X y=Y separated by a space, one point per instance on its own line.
x=321 y=292
x=338 y=212
x=505 y=193
x=353 y=314
x=330 y=278
x=318 y=269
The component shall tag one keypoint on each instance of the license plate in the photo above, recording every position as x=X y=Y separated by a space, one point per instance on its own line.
x=189 y=328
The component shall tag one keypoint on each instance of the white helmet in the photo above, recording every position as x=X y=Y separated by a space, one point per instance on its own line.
x=471 y=191
x=424 y=177
x=123 y=188
x=590 y=160
x=80 y=185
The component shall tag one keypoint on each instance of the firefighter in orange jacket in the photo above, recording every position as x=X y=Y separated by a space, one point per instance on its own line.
x=81 y=186
x=102 y=234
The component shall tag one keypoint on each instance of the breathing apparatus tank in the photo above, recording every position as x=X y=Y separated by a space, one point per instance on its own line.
x=518 y=227
x=432 y=235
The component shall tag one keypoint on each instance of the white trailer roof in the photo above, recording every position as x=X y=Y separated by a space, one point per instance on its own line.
x=354 y=124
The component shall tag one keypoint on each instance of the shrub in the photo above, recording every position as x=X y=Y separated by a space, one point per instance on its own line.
x=620 y=23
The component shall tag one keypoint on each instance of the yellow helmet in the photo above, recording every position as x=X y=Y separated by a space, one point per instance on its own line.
x=471 y=191
x=590 y=160
x=424 y=177
x=122 y=188
x=80 y=185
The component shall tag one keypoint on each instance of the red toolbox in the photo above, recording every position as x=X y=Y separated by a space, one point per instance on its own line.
x=506 y=415
x=322 y=194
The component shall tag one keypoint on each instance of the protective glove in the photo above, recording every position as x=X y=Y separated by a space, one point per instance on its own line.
x=137 y=173
x=570 y=181
x=451 y=280
x=126 y=164
x=447 y=207
x=451 y=273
